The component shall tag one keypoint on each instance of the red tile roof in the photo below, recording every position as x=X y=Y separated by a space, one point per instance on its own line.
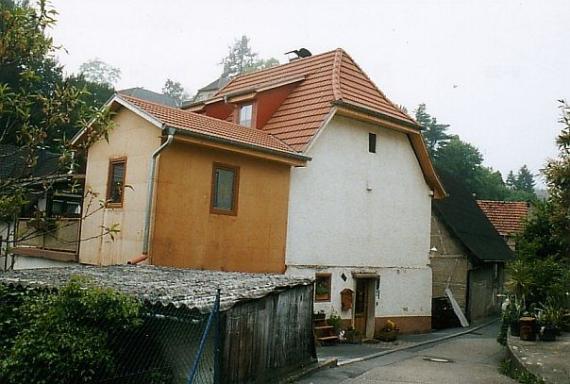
x=506 y=216
x=328 y=78
x=200 y=124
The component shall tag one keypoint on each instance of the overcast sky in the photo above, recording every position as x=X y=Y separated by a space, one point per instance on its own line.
x=493 y=70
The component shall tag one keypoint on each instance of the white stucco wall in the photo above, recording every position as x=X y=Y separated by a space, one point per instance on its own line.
x=135 y=139
x=354 y=210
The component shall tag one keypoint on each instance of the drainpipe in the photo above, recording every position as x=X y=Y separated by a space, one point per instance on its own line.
x=150 y=193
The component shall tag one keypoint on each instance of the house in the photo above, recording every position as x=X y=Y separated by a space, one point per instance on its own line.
x=46 y=231
x=508 y=217
x=210 y=90
x=304 y=168
x=154 y=97
x=264 y=332
x=467 y=254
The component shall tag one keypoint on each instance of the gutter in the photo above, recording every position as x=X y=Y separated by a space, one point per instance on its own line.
x=150 y=193
x=364 y=109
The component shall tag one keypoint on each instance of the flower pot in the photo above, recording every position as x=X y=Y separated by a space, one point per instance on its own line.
x=387 y=335
x=528 y=328
x=548 y=333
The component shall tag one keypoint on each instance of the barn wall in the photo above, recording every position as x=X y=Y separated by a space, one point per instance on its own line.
x=485 y=283
x=269 y=338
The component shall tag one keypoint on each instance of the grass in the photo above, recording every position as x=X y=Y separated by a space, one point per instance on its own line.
x=510 y=369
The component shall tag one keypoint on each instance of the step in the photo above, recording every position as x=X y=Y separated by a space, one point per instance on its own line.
x=321 y=327
x=327 y=338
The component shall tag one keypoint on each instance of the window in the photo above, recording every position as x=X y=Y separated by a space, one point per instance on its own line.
x=245 y=115
x=323 y=287
x=116 y=182
x=225 y=181
x=372 y=142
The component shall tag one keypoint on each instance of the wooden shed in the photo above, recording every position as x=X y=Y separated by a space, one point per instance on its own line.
x=265 y=321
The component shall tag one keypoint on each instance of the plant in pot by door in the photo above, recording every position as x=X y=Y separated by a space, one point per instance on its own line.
x=353 y=336
x=389 y=332
x=513 y=313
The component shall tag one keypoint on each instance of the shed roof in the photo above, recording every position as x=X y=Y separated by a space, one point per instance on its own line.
x=461 y=214
x=507 y=217
x=195 y=289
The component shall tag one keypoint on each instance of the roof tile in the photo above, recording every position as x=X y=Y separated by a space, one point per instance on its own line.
x=507 y=217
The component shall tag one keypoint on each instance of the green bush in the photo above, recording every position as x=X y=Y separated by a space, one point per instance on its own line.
x=63 y=337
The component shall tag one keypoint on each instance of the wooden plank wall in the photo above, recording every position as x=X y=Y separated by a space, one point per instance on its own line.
x=269 y=338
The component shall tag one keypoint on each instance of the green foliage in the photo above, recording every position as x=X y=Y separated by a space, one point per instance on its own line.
x=335 y=321
x=64 y=337
x=241 y=59
x=434 y=134
x=510 y=369
x=175 y=90
x=97 y=71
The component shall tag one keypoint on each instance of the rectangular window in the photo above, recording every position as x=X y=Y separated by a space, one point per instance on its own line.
x=116 y=182
x=245 y=115
x=372 y=142
x=225 y=180
x=323 y=287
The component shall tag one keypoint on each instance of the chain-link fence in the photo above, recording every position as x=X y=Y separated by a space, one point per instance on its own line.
x=164 y=345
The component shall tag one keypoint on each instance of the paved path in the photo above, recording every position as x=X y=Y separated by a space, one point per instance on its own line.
x=473 y=358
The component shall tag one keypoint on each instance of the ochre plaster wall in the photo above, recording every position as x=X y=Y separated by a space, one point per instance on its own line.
x=187 y=235
x=136 y=139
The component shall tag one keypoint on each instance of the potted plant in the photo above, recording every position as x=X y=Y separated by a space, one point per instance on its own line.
x=513 y=314
x=353 y=335
x=335 y=321
x=389 y=332
x=549 y=320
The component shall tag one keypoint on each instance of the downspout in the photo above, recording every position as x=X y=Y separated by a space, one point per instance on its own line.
x=150 y=193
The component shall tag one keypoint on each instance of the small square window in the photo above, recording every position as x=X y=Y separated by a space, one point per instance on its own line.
x=323 y=287
x=372 y=142
x=245 y=115
x=225 y=181
x=116 y=182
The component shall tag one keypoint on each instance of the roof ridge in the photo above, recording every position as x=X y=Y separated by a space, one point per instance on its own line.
x=378 y=89
x=337 y=63
x=305 y=59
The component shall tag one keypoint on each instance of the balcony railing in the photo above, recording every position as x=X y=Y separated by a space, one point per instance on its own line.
x=56 y=240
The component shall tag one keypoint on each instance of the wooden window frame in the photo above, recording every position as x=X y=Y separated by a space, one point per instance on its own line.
x=109 y=204
x=372 y=144
x=235 y=190
x=329 y=297
x=253 y=104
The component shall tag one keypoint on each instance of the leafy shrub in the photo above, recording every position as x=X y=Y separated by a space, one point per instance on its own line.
x=65 y=337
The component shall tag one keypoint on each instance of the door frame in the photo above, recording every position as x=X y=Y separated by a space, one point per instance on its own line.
x=370 y=305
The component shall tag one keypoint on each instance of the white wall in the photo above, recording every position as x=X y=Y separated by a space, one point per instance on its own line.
x=353 y=209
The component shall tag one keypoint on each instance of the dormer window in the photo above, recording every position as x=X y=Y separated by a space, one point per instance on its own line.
x=245 y=115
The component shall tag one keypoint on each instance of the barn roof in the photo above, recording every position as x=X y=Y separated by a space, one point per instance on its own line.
x=508 y=217
x=461 y=214
x=194 y=289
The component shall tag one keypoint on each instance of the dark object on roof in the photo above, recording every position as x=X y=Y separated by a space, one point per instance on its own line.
x=461 y=214
x=151 y=96
x=301 y=53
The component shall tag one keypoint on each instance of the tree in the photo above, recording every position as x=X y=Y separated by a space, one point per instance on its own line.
x=175 y=90
x=98 y=71
x=557 y=174
x=511 y=180
x=39 y=107
x=241 y=59
x=525 y=180
x=460 y=159
x=434 y=134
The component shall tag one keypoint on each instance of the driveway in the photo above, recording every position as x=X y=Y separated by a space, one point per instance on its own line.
x=472 y=358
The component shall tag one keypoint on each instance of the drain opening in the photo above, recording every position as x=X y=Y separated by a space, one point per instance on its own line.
x=438 y=360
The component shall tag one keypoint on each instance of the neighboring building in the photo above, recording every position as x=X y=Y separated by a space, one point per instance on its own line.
x=508 y=217
x=153 y=97
x=356 y=216
x=46 y=231
x=210 y=90
x=221 y=191
x=265 y=334
x=468 y=255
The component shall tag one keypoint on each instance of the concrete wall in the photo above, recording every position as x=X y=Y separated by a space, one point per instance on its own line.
x=135 y=139
x=351 y=210
x=187 y=234
x=449 y=263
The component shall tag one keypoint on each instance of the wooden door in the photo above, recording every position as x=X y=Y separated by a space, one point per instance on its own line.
x=361 y=306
